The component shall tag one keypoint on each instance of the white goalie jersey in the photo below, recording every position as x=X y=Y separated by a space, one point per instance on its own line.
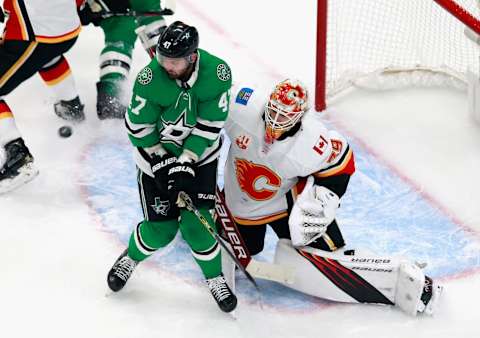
x=257 y=179
x=51 y=21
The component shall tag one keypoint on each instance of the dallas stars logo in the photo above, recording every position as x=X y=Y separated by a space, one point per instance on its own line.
x=145 y=76
x=223 y=72
x=160 y=207
x=176 y=131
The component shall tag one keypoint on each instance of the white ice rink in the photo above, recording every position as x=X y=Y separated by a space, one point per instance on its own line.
x=416 y=192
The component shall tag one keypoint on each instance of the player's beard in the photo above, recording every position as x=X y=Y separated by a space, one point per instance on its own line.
x=182 y=76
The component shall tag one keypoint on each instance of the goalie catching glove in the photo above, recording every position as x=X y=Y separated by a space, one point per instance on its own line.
x=312 y=213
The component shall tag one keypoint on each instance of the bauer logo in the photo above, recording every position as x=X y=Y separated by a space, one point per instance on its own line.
x=243 y=96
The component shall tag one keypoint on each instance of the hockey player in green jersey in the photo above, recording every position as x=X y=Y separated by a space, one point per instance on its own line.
x=179 y=104
x=120 y=36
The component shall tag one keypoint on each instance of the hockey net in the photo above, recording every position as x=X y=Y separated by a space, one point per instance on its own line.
x=385 y=44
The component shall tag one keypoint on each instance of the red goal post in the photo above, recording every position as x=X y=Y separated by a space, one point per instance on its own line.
x=393 y=43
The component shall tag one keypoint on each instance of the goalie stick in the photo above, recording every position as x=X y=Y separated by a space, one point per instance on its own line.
x=263 y=270
x=186 y=201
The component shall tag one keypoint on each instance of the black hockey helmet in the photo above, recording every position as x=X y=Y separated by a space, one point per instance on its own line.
x=178 y=40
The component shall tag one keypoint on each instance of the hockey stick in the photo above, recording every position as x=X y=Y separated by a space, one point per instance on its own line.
x=263 y=270
x=166 y=11
x=186 y=201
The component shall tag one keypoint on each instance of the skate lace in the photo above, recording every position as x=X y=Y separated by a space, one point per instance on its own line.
x=218 y=287
x=125 y=268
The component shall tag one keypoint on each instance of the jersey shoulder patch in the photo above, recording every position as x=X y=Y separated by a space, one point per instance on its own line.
x=243 y=96
x=145 y=76
x=223 y=72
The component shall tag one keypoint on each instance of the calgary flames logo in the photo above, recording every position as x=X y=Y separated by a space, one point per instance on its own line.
x=257 y=181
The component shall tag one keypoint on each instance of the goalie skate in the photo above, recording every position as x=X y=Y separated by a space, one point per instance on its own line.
x=17 y=166
x=416 y=293
x=430 y=297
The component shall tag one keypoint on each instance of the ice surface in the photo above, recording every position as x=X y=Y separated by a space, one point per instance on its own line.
x=415 y=193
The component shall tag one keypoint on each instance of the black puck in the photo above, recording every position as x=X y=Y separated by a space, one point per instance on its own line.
x=65 y=131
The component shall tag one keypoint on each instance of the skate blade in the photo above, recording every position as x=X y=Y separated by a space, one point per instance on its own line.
x=25 y=174
x=233 y=315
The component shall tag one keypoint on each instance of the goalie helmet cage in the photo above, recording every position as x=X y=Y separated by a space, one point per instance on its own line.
x=385 y=44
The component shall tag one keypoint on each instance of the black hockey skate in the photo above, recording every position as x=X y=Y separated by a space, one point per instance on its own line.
x=108 y=106
x=70 y=110
x=121 y=271
x=17 y=167
x=430 y=295
x=222 y=294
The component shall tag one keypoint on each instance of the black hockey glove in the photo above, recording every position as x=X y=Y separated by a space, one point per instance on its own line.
x=181 y=177
x=94 y=12
x=2 y=15
x=87 y=16
x=160 y=166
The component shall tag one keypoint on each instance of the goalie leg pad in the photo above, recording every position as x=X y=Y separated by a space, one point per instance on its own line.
x=333 y=276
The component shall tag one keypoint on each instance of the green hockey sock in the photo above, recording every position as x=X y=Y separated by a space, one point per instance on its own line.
x=204 y=247
x=147 y=237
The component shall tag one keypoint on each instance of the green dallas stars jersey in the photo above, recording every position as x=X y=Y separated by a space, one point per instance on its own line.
x=188 y=117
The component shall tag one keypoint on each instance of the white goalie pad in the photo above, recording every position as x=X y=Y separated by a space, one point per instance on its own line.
x=313 y=211
x=319 y=273
x=355 y=278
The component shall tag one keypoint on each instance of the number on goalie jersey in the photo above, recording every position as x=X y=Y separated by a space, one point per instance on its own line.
x=287 y=170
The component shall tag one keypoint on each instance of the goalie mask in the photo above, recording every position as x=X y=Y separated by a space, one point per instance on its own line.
x=285 y=107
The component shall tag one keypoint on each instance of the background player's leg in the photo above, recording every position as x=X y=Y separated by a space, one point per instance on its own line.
x=115 y=61
x=149 y=28
x=58 y=76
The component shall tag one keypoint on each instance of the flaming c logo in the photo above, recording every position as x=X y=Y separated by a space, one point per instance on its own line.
x=257 y=181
